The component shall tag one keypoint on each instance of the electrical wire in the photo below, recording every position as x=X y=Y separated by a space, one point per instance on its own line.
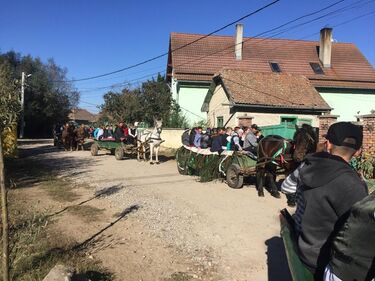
x=179 y=48
x=338 y=25
x=350 y=6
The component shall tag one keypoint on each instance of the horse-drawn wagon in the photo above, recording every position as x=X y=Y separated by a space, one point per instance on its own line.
x=117 y=148
x=275 y=154
x=146 y=141
x=231 y=165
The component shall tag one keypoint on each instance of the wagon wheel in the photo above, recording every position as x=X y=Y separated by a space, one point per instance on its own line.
x=234 y=177
x=119 y=153
x=94 y=149
x=181 y=166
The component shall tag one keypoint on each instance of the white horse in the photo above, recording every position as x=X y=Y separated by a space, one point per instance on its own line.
x=152 y=140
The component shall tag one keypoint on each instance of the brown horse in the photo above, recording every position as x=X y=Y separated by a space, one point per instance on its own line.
x=68 y=137
x=277 y=152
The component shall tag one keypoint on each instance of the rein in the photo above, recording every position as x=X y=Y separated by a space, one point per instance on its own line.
x=279 y=153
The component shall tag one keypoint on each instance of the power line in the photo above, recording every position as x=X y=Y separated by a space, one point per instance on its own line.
x=340 y=24
x=179 y=48
x=350 y=6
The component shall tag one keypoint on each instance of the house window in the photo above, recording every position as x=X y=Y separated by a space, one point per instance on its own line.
x=275 y=67
x=220 y=121
x=316 y=68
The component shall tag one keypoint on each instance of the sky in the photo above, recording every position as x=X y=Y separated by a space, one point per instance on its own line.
x=93 y=37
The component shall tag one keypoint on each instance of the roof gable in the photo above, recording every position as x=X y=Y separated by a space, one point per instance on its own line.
x=281 y=90
x=82 y=114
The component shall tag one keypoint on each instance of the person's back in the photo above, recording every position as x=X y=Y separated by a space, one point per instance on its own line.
x=328 y=188
x=119 y=133
x=95 y=133
x=192 y=136
x=205 y=140
x=185 y=137
x=353 y=248
x=236 y=140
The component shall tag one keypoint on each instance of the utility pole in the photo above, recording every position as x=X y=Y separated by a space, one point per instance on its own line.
x=23 y=80
x=22 y=104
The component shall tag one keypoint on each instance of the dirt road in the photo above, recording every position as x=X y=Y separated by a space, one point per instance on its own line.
x=173 y=227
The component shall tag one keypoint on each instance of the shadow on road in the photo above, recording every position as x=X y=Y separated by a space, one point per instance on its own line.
x=97 y=239
x=278 y=269
x=39 y=163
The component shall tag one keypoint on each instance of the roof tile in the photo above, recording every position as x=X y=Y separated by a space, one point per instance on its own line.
x=202 y=59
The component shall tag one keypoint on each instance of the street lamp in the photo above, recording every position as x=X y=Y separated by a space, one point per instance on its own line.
x=23 y=78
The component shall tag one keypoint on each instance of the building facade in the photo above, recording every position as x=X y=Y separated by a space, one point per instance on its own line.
x=338 y=71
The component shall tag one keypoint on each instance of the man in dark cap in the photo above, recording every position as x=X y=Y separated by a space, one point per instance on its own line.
x=327 y=189
x=251 y=139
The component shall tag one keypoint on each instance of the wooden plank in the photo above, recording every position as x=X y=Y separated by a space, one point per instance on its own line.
x=298 y=270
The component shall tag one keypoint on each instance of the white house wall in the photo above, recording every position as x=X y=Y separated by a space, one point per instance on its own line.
x=216 y=109
x=349 y=105
x=266 y=119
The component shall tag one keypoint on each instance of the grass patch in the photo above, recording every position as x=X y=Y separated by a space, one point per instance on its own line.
x=86 y=212
x=60 y=190
x=35 y=248
x=179 y=276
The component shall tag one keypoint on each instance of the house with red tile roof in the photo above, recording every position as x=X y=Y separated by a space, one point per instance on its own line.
x=82 y=116
x=339 y=72
x=240 y=97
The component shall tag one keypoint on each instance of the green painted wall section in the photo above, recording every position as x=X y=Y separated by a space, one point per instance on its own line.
x=347 y=105
x=191 y=101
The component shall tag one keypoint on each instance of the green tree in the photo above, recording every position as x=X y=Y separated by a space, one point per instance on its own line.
x=176 y=118
x=124 y=106
x=46 y=102
x=152 y=100
x=156 y=99
x=9 y=110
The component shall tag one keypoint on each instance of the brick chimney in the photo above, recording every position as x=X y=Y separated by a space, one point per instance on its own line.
x=238 y=42
x=325 y=48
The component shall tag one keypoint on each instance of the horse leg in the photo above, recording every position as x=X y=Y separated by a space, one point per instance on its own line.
x=151 y=151
x=272 y=182
x=157 y=154
x=260 y=181
x=138 y=151
x=144 y=152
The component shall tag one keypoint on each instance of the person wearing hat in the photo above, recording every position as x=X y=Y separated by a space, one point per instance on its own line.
x=251 y=140
x=326 y=188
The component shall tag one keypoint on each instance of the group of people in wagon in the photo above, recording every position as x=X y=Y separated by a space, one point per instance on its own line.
x=121 y=132
x=221 y=139
x=72 y=136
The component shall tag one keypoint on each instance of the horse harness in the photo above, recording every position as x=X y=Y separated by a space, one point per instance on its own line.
x=279 y=157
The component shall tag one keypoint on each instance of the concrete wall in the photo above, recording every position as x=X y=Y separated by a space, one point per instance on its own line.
x=172 y=137
x=347 y=105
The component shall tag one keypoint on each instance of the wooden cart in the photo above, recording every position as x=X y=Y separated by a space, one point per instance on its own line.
x=231 y=165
